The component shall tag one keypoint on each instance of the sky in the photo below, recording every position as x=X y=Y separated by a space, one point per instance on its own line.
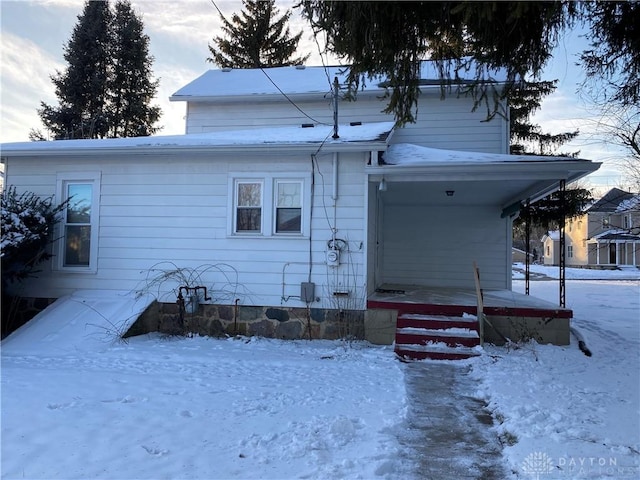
x=33 y=34
x=79 y=403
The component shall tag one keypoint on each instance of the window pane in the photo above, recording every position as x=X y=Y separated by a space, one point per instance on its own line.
x=248 y=220
x=79 y=207
x=288 y=220
x=289 y=194
x=77 y=245
x=249 y=195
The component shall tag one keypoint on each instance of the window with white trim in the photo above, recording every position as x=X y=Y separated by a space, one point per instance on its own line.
x=248 y=206
x=273 y=205
x=288 y=206
x=77 y=250
x=570 y=251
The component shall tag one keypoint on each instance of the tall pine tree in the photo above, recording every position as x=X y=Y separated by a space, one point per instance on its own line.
x=256 y=38
x=131 y=88
x=527 y=138
x=106 y=89
x=82 y=88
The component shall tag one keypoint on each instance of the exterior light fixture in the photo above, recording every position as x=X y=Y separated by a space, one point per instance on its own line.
x=450 y=193
x=383 y=185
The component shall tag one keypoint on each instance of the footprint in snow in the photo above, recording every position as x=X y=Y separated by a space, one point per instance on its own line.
x=60 y=406
x=156 y=452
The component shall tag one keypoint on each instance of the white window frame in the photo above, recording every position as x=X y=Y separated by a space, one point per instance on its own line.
x=234 y=222
x=62 y=184
x=270 y=183
x=276 y=183
x=570 y=251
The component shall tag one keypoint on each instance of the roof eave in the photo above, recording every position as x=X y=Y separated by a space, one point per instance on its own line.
x=262 y=148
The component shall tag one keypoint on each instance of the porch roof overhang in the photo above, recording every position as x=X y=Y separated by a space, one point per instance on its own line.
x=474 y=178
x=615 y=235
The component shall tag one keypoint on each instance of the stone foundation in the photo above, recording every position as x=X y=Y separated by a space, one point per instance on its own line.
x=272 y=322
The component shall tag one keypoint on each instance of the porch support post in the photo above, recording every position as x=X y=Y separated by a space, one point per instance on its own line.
x=563 y=299
x=527 y=240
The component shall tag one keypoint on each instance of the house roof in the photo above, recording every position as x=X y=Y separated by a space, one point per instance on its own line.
x=616 y=234
x=300 y=80
x=362 y=137
x=611 y=201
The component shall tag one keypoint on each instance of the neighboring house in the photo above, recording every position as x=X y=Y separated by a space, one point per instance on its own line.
x=551 y=245
x=520 y=256
x=259 y=196
x=606 y=234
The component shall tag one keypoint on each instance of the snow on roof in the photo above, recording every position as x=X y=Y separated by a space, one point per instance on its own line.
x=371 y=132
x=552 y=235
x=632 y=203
x=611 y=201
x=409 y=154
x=297 y=80
x=616 y=234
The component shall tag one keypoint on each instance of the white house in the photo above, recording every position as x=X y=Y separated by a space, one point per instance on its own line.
x=277 y=208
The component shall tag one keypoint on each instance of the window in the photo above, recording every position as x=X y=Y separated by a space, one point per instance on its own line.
x=570 y=251
x=79 y=224
x=626 y=222
x=248 y=216
x=273 y=205
x=288 y=206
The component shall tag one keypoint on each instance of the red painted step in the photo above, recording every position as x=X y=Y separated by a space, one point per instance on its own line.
x=438 y=337
x=407 y=320
x=406 y=353
x=451 y=340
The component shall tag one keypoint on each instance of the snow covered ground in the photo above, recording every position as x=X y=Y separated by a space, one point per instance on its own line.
x=204 y=408
x=560 y=413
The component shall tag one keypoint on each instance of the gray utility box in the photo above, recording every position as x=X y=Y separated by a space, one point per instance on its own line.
x=307 y=292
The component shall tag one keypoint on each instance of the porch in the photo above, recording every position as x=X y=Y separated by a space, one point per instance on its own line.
x=395 y=309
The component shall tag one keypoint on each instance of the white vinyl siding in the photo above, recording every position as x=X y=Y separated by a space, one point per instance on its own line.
x=440 y=252
x=449 y=124
x=168 y=212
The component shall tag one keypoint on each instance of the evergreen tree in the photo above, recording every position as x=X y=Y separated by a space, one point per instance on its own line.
x=256 y=38
x=106 y=89
x=391 y=38
x=131 y=88
x=82 y=88
x=527 y=138
x=613 y=61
